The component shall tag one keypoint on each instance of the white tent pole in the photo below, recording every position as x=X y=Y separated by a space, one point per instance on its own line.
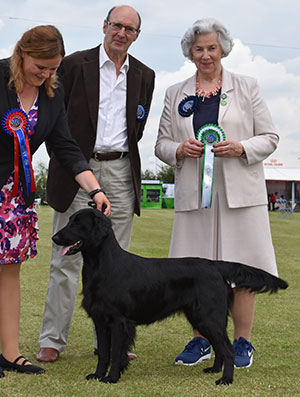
x=293 y=193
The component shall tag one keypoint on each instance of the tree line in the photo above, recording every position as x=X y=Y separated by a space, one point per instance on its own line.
x=165 y=174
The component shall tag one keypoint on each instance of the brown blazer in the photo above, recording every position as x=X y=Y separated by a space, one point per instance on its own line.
x=79 y=74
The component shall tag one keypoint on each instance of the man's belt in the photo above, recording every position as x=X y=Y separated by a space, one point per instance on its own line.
x=108 y=156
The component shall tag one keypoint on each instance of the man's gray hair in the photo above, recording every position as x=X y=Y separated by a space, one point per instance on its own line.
x=204 y=26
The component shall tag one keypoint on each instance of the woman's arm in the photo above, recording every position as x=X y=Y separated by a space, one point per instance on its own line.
x=260 y=138
x=89 y=183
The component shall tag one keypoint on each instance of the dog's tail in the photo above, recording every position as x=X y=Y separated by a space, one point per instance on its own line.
x=245 y=277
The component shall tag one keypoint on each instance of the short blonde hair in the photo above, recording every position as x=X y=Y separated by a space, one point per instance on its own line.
x=41 y=42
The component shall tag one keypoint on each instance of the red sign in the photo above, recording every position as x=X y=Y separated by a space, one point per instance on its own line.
x=273 y=163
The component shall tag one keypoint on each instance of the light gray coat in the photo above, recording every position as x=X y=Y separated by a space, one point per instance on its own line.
x=244 y=118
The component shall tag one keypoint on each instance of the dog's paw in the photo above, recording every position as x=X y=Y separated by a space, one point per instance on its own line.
x=93 y=376
x=109 y=379
x=212 y=370
x=224 y=381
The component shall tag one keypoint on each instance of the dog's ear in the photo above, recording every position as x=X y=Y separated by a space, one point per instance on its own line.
x=101 y=227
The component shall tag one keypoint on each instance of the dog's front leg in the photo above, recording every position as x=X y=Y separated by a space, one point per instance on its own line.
x=117 y=347
x=103 y=340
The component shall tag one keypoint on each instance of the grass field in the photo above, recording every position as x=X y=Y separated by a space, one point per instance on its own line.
x=276 y=332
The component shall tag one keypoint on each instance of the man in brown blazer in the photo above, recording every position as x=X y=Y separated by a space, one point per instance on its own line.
x=108 y=95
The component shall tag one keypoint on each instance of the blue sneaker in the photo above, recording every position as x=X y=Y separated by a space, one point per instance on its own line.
x=243 y=353
x=196 y=351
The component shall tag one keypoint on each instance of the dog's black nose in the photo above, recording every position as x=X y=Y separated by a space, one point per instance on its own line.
x=55 y=238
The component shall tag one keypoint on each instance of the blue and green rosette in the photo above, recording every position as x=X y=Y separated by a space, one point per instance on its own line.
x=208 y=134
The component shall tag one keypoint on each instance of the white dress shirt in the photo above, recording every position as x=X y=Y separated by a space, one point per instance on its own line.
x=112 y=124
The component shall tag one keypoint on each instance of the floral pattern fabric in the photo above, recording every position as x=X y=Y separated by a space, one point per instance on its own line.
x=18 y=223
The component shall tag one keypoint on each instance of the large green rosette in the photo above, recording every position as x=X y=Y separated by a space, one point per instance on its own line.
x=208 y=134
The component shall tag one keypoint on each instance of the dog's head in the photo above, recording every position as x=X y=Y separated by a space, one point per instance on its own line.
x=85 y=230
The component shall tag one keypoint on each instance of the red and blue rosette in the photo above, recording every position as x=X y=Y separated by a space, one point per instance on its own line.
x=15 y=122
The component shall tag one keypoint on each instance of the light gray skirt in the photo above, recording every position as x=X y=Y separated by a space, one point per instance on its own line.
x=221 y=233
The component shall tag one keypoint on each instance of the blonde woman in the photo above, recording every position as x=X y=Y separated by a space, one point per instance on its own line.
x=31 y=112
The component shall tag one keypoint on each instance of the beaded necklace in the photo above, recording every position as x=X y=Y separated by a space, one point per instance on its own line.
x=207 y=94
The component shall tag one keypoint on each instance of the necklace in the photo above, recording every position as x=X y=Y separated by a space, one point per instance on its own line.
x=200 y=92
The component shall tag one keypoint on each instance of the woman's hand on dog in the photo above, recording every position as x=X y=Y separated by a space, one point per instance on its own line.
x=102 y=203
x=89 y=183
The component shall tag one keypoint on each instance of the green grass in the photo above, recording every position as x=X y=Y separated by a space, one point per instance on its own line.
x=275 y=371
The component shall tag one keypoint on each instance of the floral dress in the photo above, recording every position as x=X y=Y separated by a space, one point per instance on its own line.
x=18 y=223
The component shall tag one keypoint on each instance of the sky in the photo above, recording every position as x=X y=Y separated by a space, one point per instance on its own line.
x=267 y=46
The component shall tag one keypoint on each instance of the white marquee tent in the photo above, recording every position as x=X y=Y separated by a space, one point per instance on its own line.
x=280 y=174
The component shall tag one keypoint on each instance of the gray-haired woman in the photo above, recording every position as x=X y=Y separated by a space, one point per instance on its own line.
x=216 y=131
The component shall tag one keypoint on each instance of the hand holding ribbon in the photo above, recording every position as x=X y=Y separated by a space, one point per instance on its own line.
x=189 y=148
x=15 y=123
x=228 y=149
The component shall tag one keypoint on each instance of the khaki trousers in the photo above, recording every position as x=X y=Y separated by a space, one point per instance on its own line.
x=115 y=179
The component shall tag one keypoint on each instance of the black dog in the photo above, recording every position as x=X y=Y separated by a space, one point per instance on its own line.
x=122 y=290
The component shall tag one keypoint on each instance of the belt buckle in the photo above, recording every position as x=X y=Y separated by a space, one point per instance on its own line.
x=95 y=156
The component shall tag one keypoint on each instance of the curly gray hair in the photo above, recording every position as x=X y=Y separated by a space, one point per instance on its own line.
x=204 y=26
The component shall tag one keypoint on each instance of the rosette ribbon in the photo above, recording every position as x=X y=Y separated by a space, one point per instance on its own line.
x=141 y=113
x=188 y=105
x=208 y=134
x=15 y=123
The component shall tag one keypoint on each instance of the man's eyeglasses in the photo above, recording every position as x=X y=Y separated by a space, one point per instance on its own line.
x=117 y=27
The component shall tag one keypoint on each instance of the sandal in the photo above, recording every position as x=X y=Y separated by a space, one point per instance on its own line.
x=24 y=369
